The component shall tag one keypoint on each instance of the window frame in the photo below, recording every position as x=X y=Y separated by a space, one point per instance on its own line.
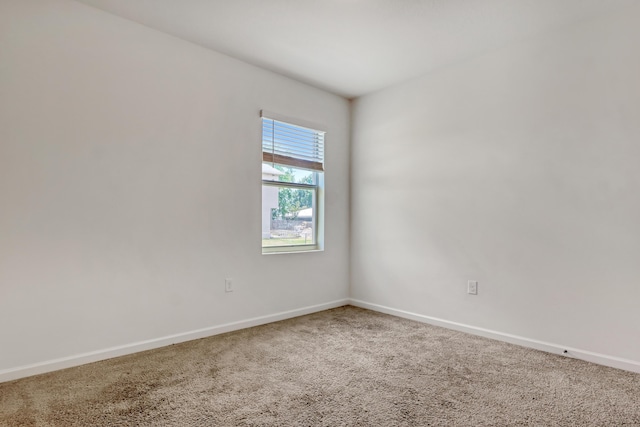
x=317 y=188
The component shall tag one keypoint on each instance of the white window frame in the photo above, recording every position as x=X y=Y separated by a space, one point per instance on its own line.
x=317 y=187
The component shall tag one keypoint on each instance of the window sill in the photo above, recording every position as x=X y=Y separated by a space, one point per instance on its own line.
x=289 y=250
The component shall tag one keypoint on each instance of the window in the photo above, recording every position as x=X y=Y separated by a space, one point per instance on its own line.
x=292 y=186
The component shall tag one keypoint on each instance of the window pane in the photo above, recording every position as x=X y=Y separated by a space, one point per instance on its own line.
x=280 y=173
x=288 y=216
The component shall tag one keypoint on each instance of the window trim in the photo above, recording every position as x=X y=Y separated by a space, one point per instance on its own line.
x=317 y=187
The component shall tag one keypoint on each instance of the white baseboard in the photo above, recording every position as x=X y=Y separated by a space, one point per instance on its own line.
x=108 y=353
x=601 y=359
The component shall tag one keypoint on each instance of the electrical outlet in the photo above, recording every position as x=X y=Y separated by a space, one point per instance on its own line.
x=472 y=287
x=228 y=285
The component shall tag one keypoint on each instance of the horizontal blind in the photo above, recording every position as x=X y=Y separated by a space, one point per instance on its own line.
x=291 y=145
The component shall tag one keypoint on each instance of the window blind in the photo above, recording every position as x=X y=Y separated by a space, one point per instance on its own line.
x=291 y=145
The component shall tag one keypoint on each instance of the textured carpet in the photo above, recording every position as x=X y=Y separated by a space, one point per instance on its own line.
x=342 y=367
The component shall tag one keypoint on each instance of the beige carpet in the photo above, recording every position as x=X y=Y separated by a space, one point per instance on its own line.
x=342 y=367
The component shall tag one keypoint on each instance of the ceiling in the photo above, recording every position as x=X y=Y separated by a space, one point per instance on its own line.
x=354 y=47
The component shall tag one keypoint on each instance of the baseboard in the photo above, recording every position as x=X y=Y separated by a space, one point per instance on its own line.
x=95 y=356
x=601 y=359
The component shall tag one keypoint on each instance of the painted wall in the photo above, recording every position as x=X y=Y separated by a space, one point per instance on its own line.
x=130 y=169
x=519 y=169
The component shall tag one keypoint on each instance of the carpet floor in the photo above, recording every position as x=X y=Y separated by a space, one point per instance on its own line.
x=341 y=367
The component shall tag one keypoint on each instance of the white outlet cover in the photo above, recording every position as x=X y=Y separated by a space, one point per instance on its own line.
x=472 y=287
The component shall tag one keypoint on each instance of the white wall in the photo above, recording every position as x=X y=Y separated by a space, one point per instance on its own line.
x=519 y=169
x=130 y=186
